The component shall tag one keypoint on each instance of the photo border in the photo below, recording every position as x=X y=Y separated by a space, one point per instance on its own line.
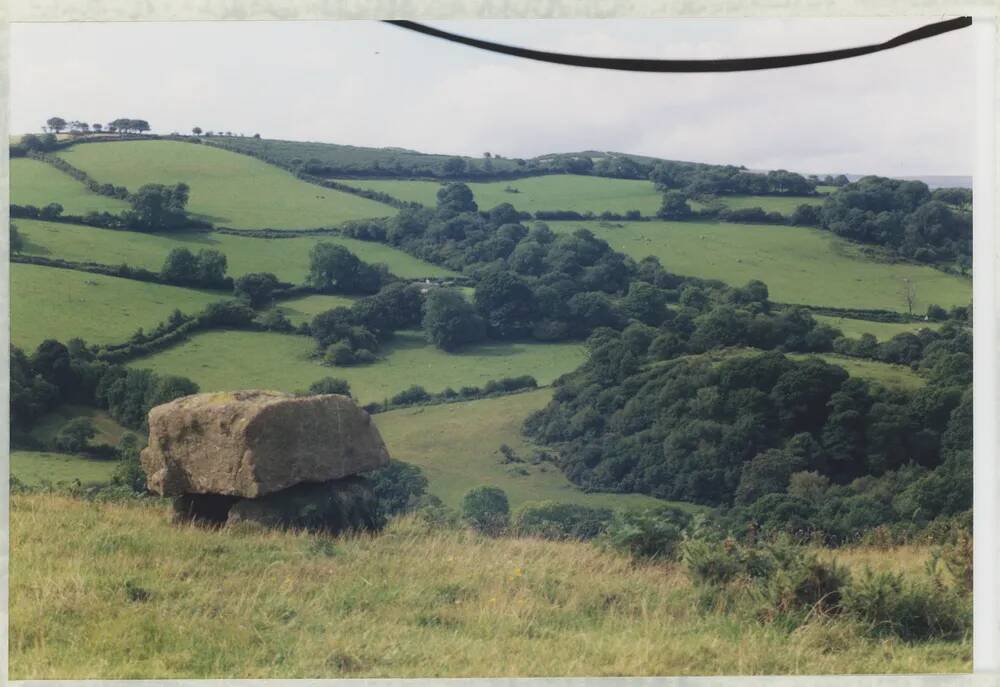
x=986 y=384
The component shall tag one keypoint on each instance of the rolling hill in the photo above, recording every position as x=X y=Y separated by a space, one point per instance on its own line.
x=227 y=189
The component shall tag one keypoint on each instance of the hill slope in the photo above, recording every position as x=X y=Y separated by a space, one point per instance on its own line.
x=123 y=594
x=227 y=189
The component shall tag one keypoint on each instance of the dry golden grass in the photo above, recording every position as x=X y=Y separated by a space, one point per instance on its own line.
x=115 y=591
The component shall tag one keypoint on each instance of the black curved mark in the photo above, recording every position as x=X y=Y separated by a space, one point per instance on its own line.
x=744 y=64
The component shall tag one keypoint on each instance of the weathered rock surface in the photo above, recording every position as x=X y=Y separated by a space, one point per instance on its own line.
x=252 y=443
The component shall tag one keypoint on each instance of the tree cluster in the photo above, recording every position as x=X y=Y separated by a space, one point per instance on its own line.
x=904 y=216
x=790 y=445
x=204 y=269
x=58 y=373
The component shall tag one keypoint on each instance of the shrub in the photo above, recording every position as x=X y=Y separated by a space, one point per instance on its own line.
x=911 y=610
x=415 y=394
x=399 y=487
x=487 y=510
x=718 y=564
x=74 y=435
x=330 y=385
x=551 y=520
x=339 y=353
x=654 y=533
x=803 y=582
x=129 y=473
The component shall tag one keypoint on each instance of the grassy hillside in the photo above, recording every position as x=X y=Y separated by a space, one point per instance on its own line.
x=37 y=183
x=123 y=594
x=108 y=431
x=227 y=188
x=799 y=265
x=300 y=310
x=35 y=467
x=227 y=360
x=287 y=258
x=51 y=303
x=456 y=445
x=883 y=331
x=891 y=376
x=579 y=193
x=352 y=157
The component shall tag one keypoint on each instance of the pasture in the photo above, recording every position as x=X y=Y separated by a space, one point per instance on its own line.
x=122 y=593
x=287 y=258
x=299 y=310
x=108 y=431
x=886 y=374
x=227 y=189
x=38 y=183
x=798 y=264
x=576 y=192
x=883 y=331
x=36 y=467
x=457 y=447
x=230 y=360
x=52 y=303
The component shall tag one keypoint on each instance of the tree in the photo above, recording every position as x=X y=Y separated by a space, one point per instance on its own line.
x=97 y=126
x=487 y=510
x=156 y=207
x=908 y=292
x=675 y=206
x=180 y=267
x=256 y=288
x=334 y=269
x=455 y=166
x=211 y=269
x=16 y=240
x=507 y=303
x=74 y=435
x=454 y=199
x=450 y=321
x=56 y=124
x=196 y=131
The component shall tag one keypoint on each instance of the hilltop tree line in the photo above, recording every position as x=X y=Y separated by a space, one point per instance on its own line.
x=121 y=125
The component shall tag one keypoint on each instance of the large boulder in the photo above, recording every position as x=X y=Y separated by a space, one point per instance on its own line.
x=251 y=443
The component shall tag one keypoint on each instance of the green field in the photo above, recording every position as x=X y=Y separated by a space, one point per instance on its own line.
x=287 y=258
x=108 y=431
x=891 y=376
x=34 y=467
x=456 y=445
x=227 y=188
x=883 y=331
x=579 y=193
x=52 y=303
x=786 y=205
x=303 y=309
x=228 y=360
x=798 y=264
x=38 y=183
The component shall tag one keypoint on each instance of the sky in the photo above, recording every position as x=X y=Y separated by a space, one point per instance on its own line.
x=908 y=111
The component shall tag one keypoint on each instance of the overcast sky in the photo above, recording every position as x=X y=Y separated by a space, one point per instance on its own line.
x=907 y=111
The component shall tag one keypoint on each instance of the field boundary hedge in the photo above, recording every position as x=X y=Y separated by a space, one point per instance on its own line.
x=123 y=271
